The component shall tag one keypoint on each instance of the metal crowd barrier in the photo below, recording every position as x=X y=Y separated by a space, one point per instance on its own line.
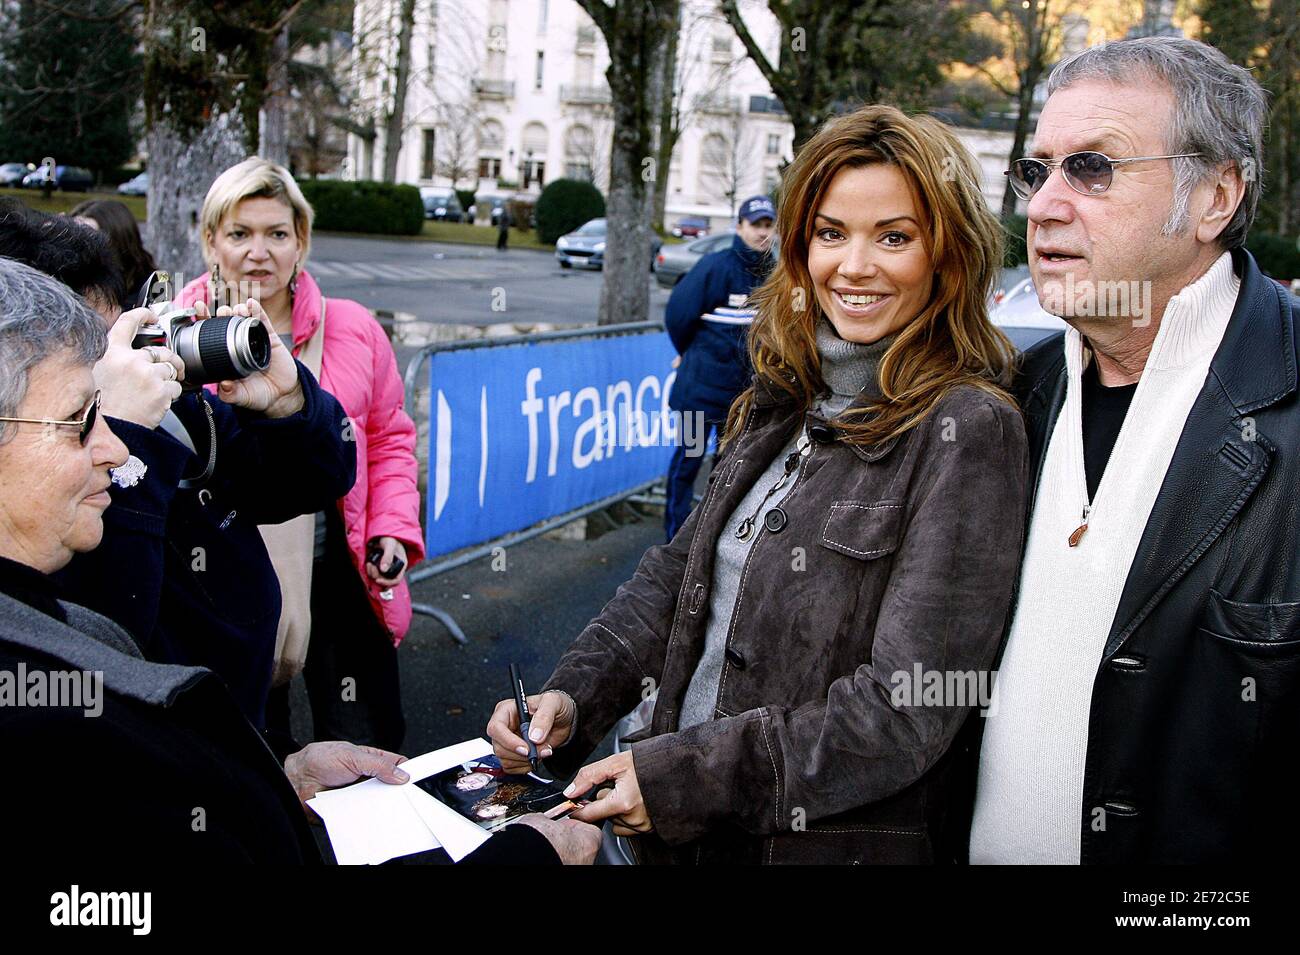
x=468 y=555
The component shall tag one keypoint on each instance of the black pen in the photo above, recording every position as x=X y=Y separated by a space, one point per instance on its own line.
x=521 y=701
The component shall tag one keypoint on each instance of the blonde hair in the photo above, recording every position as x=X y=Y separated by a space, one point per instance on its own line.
x=951 y=342
x=254 y=178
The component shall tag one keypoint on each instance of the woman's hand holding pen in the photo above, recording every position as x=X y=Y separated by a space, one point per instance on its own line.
x=622 y=804
x=552 y=722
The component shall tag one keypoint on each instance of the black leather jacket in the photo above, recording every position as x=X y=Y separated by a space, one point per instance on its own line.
x=1196 y=703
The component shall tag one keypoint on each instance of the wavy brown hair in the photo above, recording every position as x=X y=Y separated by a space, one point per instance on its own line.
x=951 y=342
x=119 y=226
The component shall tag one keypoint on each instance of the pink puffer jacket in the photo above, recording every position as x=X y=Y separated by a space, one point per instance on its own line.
x=358 y=368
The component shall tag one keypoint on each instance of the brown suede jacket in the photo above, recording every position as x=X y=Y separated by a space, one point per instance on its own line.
x=894 y=557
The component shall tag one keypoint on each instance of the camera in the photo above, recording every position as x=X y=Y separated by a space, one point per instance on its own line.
x=223 y=348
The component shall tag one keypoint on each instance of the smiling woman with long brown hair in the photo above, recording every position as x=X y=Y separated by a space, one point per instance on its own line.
x=950 y=341
x=856 y=547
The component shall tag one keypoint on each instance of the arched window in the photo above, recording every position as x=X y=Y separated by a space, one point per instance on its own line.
x=535 y=139
x=713 y=153
x=532 y=156
x=491 y=135
x=579 y=147
x=491 y=140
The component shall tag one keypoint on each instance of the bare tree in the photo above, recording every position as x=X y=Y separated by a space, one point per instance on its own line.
x=833 y=56
x=456 y=147
x=601 y=120
x=317 y=70
x=395 y=115
x=686 y=59
x=1033 y=29
x=205 y=84
x=637 y=35
x=395 y=90
x=731 y=163
x=274 y=142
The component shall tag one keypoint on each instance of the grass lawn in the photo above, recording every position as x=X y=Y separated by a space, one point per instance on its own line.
x=468 y=234
x=65 y=201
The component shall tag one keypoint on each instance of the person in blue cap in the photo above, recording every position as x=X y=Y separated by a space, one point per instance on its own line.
x=708 y=318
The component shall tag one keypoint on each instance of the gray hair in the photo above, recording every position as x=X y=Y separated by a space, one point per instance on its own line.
x=1219 y=111
x=40 y=318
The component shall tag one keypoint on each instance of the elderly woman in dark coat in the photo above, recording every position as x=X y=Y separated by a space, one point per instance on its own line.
x=168 y=768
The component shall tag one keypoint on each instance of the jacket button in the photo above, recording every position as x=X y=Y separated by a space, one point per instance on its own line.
x=775 y=520
x=697 y=600
x=735 y=658
x=822 y=433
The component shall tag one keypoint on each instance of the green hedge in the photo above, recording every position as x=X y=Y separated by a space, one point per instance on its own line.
x=466 y=197
x=1277 y=255
x=564 y=205
x=119 y=175
x=365 y=206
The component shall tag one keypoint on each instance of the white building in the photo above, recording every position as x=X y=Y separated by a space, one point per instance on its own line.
x=507 y=95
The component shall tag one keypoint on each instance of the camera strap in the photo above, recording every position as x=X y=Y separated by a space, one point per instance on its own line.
x=212 y=445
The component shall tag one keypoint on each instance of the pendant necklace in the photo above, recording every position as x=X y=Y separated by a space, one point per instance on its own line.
x=804 y=448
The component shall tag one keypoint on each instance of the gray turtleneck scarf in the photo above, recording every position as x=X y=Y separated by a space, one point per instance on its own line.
x=847 y=368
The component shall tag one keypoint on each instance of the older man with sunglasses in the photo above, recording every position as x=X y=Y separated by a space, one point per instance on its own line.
x=1147 y=703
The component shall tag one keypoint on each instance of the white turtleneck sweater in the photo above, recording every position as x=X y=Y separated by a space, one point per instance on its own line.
x=1029 y=803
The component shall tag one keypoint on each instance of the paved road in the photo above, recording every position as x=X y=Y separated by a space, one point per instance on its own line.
x=459 y=284
x=527 y=614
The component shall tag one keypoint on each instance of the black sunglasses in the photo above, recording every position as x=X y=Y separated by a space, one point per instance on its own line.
x=1087 y=173
x=85 y=424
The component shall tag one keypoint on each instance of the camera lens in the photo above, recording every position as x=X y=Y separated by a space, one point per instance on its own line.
x=252 y=345
x=224 y=348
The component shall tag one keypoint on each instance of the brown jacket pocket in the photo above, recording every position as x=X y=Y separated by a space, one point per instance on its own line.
x=863 y=529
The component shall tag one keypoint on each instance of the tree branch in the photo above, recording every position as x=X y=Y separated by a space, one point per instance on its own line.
x=281 y=23
x=61 y=10
x=774 y=77
x=601 y=12
x=997 y=83
x=349 y=125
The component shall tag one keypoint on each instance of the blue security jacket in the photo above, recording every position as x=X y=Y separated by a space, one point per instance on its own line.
x=708 y=321
x=187 y=573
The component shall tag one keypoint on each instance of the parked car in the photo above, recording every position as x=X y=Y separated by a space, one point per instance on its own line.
x=66 y=178
x=441 y=204
x=585 y=246
x=674 y=261
x=494 y=205
x=73 y=178
x=13 y=173
x=691 y=227
x=1016 y=311
x=135 y=186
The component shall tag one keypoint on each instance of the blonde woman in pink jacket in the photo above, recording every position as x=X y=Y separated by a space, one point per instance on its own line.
x=256 y=229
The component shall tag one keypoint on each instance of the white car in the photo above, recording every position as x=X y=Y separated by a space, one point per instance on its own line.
x=1016 y=311
x=135 y=186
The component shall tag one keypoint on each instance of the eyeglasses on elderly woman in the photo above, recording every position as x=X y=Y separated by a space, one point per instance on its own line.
x=85 y=424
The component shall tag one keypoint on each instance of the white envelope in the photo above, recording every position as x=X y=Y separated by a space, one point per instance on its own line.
x=371 y=822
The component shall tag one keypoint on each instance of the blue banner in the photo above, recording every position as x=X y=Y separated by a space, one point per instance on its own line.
x=522 y=433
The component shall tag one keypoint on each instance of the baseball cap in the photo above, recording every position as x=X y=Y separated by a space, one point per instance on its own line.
x=757 y=207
